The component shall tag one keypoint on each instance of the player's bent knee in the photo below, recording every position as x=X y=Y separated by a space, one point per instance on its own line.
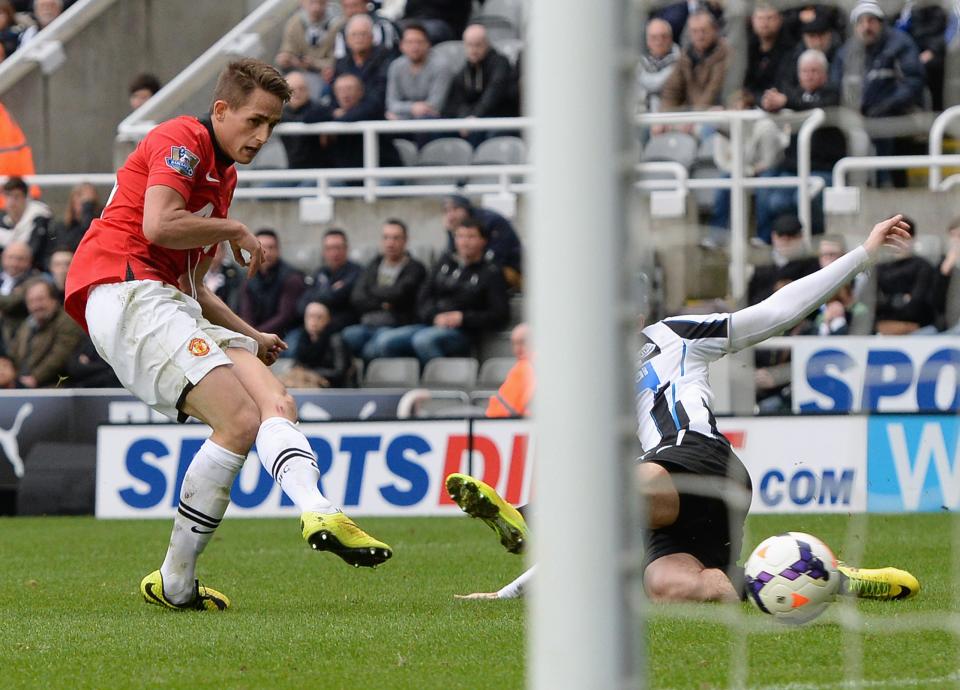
x=242 y=426
x=667 y=586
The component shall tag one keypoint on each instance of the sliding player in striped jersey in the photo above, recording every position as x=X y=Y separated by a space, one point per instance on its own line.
x=695 y=488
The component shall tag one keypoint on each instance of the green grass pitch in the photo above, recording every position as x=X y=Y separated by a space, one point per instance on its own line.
x=72 y=617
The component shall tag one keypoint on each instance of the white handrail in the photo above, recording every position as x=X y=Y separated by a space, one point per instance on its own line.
x=845 y=165
x=804 y=142
x=935 y=146
x=71 y=22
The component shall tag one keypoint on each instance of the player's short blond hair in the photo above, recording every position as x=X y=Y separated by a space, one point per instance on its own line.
x=240 y=78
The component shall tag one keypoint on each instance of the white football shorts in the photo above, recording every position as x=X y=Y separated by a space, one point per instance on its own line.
x=157 y=341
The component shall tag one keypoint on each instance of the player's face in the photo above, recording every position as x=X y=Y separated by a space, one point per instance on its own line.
x=470 y=244
x=243 y=131
x=393 y=242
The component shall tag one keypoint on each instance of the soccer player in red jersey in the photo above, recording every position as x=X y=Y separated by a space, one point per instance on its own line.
x=136 y=285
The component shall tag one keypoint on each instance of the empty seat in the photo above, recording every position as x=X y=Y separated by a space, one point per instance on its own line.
x=407 y=151
x=392 y=372
x=672 y=146
x=450 y=372
x=493 y=372
x=501 y=151
x=496 y=345
x=481 y=398
x=448 y=407
x=510 y=48
x=501 y=17
x=445 y=151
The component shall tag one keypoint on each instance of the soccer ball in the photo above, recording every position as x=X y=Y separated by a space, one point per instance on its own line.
x=792 y=576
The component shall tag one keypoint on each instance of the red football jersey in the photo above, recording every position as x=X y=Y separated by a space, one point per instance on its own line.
x=180 y=154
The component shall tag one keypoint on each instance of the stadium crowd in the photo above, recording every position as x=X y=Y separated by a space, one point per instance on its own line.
x=424 y=59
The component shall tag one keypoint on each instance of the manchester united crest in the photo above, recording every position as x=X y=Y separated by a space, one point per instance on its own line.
x=198 y=347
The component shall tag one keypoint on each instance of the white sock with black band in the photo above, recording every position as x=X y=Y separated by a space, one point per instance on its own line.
x=204 y=498
x=287 y=456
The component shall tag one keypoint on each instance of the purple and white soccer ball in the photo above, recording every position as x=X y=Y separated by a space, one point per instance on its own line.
x=792 y=576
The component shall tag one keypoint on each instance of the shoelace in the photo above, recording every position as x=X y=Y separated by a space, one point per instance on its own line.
x=869 y=588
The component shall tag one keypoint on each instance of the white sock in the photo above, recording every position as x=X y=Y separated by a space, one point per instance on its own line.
x=287 y=455
x=517 y=587
x=204 y=497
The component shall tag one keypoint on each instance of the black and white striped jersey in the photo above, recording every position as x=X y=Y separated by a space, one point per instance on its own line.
x=672 y=389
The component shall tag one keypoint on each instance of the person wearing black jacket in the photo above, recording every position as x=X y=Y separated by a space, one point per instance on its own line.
x=332 y=284
x=443 y=19
x=367 y=62
x=907 y=292
x=503 y=244
x=768 y=52
x=385 y=295
x=487 y=84
x=321 y=360
x=463 y=298
x=303 y=151
x=268 y=301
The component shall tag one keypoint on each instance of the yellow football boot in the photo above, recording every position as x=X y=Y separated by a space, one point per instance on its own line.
x=204 y=598
x=878 y=583
x=479 y=500
x=337 y=533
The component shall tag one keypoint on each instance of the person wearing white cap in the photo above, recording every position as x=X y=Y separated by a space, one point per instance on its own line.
x=879 y=69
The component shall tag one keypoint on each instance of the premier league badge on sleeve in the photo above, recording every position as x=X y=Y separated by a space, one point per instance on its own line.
x=182 y=160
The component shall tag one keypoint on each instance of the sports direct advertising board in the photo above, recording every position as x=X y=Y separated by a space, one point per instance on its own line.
x=848 y=464
x=369 y=468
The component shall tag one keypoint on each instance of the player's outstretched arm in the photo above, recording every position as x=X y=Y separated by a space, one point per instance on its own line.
x=167 y=223
x=789 y=305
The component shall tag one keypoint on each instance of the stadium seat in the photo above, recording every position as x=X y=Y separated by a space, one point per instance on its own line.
x=501 y=151
x=450 y=372
x=493 y=372
x=481 y=398
x=446 y=406
x=511 y=48
x=705 y=197
x=407 y=151
x=271 y=157
x=282 y=366
x=392 y=372
x=672 y=146
x=445 y=151
x=496 y=345
x=451 y=52
x=501 y=18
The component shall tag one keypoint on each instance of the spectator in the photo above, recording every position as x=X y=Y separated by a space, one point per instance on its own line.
x=11 y=28
x=677 y=14
x=44 y=12
x=656 y=64
x=26 y=220
x=513 y=398
x=444 y=20
x=82 y=207
x=828 y=144
x=418 y=81
x=816 y=34
x=772 y=369
x=503 y=246
x=308 y=40
x=789 y=260
x=321 y=359
x=143 y=87
x=60 y=260
x=926 y=23
x=8 y=374
x=384 y=31
x=86 y=368
x=841 y=314
x=385 y=296
x=696 y=83
x=16 y=263
x=763 y=147
x=224 y=279
x=485 y=87
x=880 y=74
x=462 y=299
x=907 y=292
x=333 y=282
x=269 y=299
x=367 y=62
x=346 y=150
x=768 y=52
x=44 y=342
x=303 y=151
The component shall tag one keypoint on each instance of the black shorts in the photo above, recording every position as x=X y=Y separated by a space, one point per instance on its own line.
x=706 y=527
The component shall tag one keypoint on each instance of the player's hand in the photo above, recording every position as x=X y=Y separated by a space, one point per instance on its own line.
x=251 y=245
x=476 y=595
x=892 y=233
x=269 y=347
